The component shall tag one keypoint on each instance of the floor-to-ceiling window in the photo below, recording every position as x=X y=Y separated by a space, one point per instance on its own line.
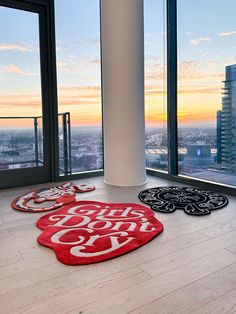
x=155 y=84
x=207 y=90
x=79 y=85
x=206 y=81
x=26 y=137
x=21 y=144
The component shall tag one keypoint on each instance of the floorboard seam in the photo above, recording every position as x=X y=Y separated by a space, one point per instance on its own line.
x=189 y=284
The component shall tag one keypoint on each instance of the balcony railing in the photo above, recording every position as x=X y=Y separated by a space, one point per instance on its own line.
x=65 y=148
x=36 y=158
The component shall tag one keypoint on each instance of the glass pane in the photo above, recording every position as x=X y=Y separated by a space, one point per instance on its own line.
x=155 y=84
x=21 y=142
x=207 y=89
x=79 y=85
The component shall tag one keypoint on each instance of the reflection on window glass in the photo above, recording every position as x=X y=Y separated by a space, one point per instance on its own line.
x=79 y=85
x=21 y=139
x=155 y=84
x=207 y=89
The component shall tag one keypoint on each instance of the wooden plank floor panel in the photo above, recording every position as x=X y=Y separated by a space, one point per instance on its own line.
x=220 y=229
x=225 y=304
x=134 y=258
x=187 y=255
x=195 y=295
x=70 y=290
x=190 y=267
x=88 y=293
x=232 y=248
x=142 y=294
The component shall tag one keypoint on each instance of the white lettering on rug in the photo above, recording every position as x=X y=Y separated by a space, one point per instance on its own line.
x=81 y=224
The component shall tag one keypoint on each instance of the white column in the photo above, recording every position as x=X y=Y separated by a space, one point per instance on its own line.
x=122 y=33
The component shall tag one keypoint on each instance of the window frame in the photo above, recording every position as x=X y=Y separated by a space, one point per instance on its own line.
x=172 y=123
x=21 y=177
x=172 y=119
x=84 y=174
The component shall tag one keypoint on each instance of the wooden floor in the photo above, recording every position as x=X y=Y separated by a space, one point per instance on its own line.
x=189 y=268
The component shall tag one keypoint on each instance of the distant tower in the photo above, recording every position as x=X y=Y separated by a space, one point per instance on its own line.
x=228 y=121
x=218 y=137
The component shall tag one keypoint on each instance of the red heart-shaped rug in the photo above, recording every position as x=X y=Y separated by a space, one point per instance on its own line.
x=88 y=232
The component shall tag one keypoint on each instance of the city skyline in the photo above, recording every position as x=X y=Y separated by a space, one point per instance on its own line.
x=205 y=51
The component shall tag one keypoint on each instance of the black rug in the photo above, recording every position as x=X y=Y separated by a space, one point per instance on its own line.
x=193 y=201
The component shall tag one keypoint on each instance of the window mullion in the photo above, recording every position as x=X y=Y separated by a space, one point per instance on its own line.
x=172 y=86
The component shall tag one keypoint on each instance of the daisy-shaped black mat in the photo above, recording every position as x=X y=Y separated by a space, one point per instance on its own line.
x=193 y=201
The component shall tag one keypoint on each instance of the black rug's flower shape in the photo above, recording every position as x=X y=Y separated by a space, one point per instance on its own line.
x=192 y=200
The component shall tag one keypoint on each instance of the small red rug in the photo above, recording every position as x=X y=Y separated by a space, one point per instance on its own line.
x=88 y=232
x=54 y=197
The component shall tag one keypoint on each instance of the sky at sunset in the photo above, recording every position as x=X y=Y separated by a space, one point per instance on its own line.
x=206 y=44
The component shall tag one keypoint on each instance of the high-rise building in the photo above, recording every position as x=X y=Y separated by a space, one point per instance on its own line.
x=226 y=122
x=218 y=137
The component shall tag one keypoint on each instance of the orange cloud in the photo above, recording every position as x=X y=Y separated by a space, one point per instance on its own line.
x=83 y=65
x=193 y=118
x=195 y=70
x=15 y=47
x=199 y=96
x=61 y=65
x=17 y=101
x=83 y=102
x=197 y=41
x=89 y=88
x=16 y=70
x=188 y=70
x=226 y=34
x=203 y=90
